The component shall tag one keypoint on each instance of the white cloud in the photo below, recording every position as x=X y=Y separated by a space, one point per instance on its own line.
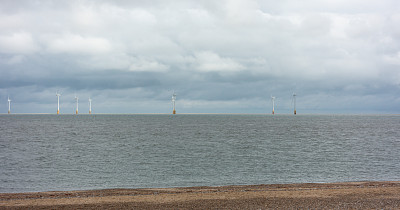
x=11 y=22
x=393 y=59
x=18 y=43
x=72 y=43
x=122 y=62
x=210 y=61
x=143 y=64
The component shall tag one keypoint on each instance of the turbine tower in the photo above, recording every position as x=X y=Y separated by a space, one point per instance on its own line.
x=9 y=105
x=77 y=99
x=173 y=102
x=294 y=103
x=58 y=102
x=90 y=106
x=273 y=104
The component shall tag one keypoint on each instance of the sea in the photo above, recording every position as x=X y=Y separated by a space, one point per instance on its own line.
x=43 y=152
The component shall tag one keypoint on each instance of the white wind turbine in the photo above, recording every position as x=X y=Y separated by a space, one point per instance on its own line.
x=9 y=105
x=77 y=99
x=58 y=102
x=294 y=103
x=90 y=105
x=173 y=102
x=273 y=104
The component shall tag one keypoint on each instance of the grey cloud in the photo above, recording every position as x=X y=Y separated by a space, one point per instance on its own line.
x=231 y=54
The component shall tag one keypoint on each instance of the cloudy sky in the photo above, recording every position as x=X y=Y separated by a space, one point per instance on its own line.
x=219 y=56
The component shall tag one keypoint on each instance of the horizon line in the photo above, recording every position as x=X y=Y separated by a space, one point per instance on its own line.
x=201 y=114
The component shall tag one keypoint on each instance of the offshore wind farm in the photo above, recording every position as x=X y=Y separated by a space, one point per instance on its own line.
x=173 y=100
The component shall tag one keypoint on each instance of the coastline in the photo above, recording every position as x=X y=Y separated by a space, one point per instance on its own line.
x=354 y=195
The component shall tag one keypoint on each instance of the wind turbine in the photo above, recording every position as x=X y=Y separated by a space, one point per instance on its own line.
x=90 y=106
x=173 y=102
x=294 y=103
x=58 y=102
x=9 y=105
x=77 y=99
x=273 y=104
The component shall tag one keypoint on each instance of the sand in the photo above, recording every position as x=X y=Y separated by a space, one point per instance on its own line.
x=350 y=195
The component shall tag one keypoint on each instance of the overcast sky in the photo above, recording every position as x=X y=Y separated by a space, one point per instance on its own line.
x=219 y=56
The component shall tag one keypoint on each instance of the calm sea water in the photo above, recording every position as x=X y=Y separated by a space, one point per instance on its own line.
x=68 y=152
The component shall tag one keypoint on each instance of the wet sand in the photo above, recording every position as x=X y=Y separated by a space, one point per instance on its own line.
x=350 y=195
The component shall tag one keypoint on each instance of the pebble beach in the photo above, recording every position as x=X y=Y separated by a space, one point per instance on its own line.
x=349 y=195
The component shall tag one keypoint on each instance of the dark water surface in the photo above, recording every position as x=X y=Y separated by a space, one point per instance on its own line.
x=68 y=152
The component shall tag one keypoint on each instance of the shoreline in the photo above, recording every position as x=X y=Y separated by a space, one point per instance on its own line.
x=358 y=195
